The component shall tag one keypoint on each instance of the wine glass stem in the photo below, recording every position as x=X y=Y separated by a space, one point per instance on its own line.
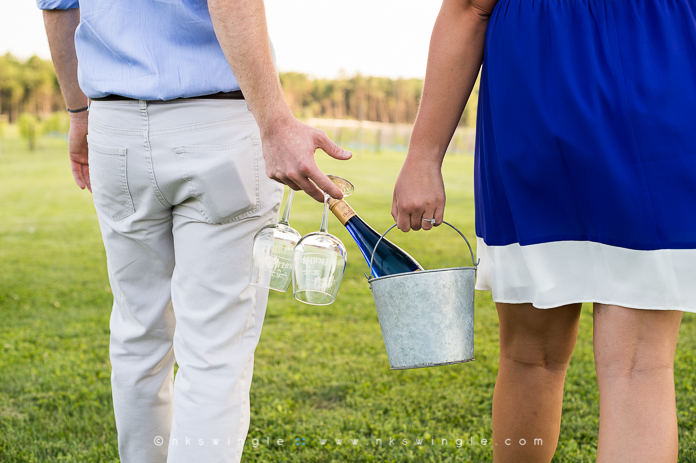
x=285 y=218
x=325 y=218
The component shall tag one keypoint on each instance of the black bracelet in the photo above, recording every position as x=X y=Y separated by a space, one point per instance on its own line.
x=77 y=110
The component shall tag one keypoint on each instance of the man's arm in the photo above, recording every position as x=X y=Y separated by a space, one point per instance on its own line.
x=454 y=60
x=60 y=28
x=288 y=144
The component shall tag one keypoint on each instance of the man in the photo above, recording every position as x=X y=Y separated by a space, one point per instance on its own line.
x=177 y=175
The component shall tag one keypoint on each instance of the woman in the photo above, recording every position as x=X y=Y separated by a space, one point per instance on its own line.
x=585 y=192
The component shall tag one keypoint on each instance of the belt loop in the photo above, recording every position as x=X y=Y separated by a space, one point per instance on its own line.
x=143 y=104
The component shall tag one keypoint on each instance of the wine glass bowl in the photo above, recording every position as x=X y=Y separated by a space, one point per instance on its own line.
x=320 y=258
x=272 y=256
x=344 y=185
x=272 y=251
x=318 y=265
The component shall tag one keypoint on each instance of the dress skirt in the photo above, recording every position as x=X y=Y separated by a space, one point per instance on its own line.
x=585 y=174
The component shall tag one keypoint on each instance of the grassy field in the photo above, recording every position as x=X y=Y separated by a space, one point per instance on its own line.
x=321 y=372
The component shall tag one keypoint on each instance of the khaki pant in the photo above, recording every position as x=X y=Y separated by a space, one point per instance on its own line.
x=180 y=190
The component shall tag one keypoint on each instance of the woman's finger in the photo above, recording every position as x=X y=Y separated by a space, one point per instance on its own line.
x=439 y=215
x=417 y=219
x=403 y=221
x=426 y=218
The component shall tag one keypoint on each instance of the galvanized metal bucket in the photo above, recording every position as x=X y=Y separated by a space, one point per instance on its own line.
x=427 y=317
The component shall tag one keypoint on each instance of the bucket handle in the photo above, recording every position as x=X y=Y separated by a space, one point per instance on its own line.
x=372 y=258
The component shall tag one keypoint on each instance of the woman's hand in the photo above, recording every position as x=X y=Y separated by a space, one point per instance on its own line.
x=419 y=194
x=454 y=59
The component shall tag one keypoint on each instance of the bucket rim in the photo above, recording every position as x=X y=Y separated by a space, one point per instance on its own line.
x=372 y=258
x=426 y=365
x=435 y=270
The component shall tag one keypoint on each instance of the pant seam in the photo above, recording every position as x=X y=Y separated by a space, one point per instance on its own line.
x=148 y=155
x=241 y=439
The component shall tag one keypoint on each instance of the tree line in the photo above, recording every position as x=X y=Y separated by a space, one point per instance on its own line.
x=377 y=99
x=28 y=86
x=31 y=86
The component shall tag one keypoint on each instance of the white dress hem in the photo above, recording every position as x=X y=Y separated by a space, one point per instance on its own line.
x=554 y=274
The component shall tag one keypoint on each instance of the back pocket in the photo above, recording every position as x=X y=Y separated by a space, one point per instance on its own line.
x=224 y=179
x=107 y=171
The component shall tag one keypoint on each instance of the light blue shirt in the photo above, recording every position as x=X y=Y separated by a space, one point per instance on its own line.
x=147 y=49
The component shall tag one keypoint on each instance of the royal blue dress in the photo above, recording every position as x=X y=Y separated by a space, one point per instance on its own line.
x=585 y=176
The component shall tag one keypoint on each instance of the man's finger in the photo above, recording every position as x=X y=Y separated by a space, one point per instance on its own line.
x=285 y=180
x=325 y=184
x=310 y=188
x=85 y=176
x=332 y=149
x=291 y=184
x=77 y=174
x=395 y=210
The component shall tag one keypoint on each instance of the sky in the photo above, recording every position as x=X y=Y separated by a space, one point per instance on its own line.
x=387 y=38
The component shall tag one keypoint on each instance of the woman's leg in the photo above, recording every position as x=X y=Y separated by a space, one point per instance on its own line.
x=634 y=359
x=535 y=349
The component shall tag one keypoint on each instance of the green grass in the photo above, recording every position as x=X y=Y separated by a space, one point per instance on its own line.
x=321 y=372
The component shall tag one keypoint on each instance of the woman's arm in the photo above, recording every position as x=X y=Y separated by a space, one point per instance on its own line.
x=454 y=59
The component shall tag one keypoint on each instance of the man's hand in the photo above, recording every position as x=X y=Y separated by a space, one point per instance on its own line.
x=77 y=146
x=288 y=144
x=288 y=148
x=419 y=193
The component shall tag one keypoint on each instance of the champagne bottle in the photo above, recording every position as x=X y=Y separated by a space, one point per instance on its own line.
x=389 y=258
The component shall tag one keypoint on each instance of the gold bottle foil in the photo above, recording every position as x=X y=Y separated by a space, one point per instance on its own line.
x=341 y=210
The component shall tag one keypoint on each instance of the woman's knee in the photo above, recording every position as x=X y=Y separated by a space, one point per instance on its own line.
x=634 y=343
x=634 y=368
x=536 y=360
x=538 y=338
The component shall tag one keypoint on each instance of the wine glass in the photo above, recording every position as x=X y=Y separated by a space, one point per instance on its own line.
x=320 y=259
x=346 y=187
x=271 y=255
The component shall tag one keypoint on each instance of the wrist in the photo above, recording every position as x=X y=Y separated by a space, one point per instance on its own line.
x=78 y=110
x=76 y=102
x=79 y=118
x=274 y=122
x=430 y=158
